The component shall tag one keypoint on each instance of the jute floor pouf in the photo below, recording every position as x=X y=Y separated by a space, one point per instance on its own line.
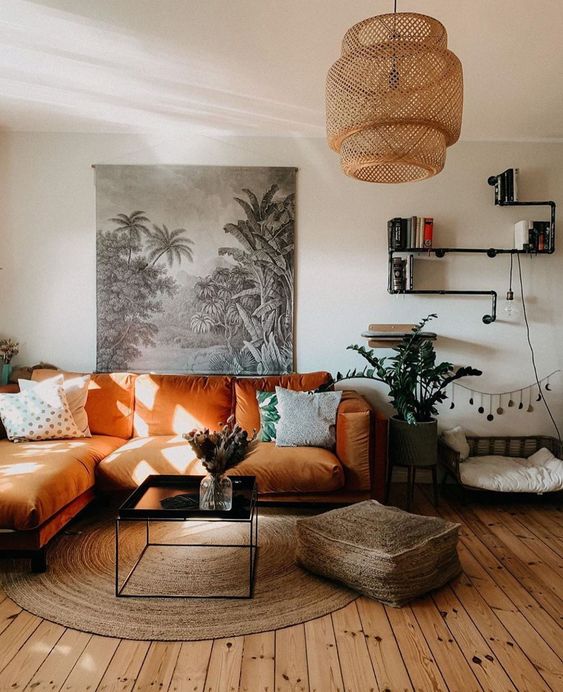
x=382 y=552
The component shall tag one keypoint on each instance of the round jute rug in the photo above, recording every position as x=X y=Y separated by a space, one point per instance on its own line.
x=78 y=589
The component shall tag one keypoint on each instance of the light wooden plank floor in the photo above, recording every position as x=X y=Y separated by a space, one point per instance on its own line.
x=496 y=627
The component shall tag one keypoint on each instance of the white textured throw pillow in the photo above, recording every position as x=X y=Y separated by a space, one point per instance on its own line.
x=76 y=390
x=455 y=438
x=306 y=419
x=41 y=413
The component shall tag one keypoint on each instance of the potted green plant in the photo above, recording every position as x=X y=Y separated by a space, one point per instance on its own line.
x=417 y=384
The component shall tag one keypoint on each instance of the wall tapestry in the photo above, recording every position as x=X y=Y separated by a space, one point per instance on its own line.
x=195 y=269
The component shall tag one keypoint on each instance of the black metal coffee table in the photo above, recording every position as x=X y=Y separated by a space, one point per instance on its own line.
x=143 y=505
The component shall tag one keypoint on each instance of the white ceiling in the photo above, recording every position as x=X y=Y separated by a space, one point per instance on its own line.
x=257 y=66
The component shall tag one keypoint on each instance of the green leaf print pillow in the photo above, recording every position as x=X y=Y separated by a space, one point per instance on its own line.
x=269 y=416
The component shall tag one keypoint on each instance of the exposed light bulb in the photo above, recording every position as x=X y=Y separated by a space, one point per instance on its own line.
x=511 y=309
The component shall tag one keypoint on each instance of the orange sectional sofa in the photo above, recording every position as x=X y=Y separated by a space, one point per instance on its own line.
x=137 y=423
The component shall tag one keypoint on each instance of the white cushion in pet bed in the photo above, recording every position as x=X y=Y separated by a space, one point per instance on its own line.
x=540 y=473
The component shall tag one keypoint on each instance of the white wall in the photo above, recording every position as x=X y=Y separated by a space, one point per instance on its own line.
x=47 y=251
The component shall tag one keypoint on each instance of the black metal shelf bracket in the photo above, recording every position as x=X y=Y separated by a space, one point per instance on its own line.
x=487 y=319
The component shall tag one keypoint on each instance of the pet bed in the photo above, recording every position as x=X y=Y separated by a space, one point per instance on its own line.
x=505 y=464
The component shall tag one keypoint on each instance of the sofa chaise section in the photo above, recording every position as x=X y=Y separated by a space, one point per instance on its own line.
x=43 y=485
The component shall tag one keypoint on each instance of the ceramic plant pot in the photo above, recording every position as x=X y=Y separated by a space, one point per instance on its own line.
x=413 y=445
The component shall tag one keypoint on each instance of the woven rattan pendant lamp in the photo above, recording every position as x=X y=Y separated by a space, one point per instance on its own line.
x=394 y=98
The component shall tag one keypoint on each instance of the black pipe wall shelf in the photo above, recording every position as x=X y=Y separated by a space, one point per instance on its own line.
x=490 y=252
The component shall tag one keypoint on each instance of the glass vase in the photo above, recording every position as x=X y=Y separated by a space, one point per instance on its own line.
x=216 y=493
x=5 y=372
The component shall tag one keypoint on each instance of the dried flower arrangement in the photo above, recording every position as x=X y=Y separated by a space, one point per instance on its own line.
x=222 y=449
x=8 y=349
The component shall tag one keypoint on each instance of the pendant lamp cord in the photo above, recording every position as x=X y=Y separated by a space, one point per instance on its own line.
x=394 y=6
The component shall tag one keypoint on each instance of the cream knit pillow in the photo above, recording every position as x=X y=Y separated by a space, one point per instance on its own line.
x=307 y=419
x=41 y=413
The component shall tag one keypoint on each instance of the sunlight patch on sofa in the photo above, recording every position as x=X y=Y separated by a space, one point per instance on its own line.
x=39 y=449
x=146 y=394
x=20 y=469
x=183 y=421
x=123 y=408
x=142 y=471
x=179 y=457
x=137 y=443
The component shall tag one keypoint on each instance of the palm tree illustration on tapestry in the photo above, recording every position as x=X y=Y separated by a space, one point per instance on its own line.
x=130 y=285
x=169 y=244
x=202 y=280
x=134 y=225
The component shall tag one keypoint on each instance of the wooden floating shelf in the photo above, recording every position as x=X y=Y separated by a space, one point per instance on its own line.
x=389 y=335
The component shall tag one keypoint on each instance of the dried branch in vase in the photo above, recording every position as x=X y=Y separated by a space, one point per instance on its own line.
x=8 y=349
x=223 y=449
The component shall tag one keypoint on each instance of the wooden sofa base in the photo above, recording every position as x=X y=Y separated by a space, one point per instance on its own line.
x=32 y=544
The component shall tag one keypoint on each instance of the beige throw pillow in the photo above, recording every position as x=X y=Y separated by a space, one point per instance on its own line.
x=76 y=390
x=307 y=419
x=40 y=413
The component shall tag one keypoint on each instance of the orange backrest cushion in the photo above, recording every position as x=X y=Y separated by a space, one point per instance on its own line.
x=110 y=401
x=246 y=407
x=175 y=404
x=110 y=404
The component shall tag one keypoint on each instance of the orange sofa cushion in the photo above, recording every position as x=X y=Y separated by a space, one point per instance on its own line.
x=175 y=404
x=354 y=432
x=280 y=470
x=128 y=466
x=37 y=479
x=277 y=469
x=246 y=406
x=110 y=404
x=110 y=401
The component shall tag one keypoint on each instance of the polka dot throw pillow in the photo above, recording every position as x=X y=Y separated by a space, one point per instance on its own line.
x=41 y=413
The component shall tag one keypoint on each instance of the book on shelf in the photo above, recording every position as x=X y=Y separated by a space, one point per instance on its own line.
x=399 y=276
x=415 y=232
x=399 y=240
x=428 y=231
x=404 y=234
x=394 y=233
x=420 y=234
x=506 y=186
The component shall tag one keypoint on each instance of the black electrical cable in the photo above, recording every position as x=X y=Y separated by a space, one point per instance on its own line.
x=532 y=348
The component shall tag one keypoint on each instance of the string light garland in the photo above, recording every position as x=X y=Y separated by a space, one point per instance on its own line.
x=514 y=398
